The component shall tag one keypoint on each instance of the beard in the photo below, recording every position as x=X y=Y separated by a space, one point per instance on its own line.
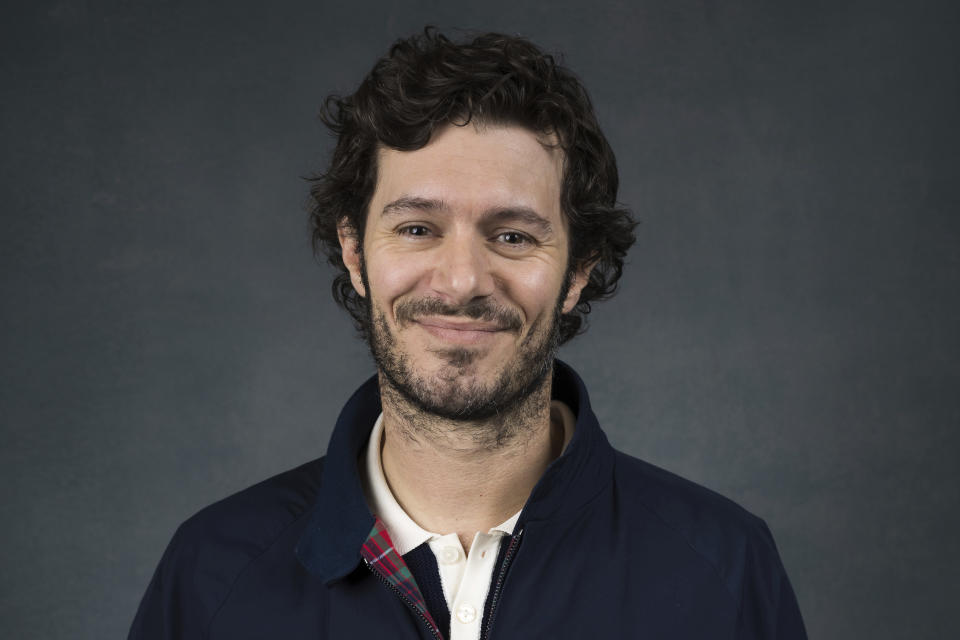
x=455 y=391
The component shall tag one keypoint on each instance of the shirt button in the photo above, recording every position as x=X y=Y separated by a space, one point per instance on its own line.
x=449 y=555
x=466 y=613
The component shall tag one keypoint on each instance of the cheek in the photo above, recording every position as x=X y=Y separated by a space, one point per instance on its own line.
x=390 y=279
x=536 y=290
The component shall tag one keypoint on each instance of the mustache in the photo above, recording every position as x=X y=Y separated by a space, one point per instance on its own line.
x=478 y=309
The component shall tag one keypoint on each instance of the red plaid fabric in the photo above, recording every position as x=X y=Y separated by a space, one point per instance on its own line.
x=380 y=554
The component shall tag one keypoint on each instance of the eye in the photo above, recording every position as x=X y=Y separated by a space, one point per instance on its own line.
x=414 y=230
x=514 y=239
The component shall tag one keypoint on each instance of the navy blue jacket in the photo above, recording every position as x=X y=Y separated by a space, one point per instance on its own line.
x=611 y=547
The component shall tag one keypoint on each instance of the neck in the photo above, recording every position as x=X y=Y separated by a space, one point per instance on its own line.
x=461 y=477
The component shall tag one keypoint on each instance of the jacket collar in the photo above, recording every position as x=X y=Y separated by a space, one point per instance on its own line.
x=341 y=521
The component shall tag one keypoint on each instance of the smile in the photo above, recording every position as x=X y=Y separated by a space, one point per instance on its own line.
x=469 y=332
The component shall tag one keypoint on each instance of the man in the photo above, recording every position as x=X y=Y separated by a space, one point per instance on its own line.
x=468 y=491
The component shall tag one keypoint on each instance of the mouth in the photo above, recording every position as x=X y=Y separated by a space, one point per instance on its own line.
x=461 y=332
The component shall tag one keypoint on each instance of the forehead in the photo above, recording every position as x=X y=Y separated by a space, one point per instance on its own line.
x=476 y=167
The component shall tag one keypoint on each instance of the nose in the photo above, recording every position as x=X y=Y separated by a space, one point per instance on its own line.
x=462 y=270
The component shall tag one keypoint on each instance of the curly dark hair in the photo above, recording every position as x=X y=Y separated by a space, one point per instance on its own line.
x=428 y=81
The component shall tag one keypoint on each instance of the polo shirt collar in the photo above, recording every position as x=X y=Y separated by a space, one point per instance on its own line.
x=406 y=534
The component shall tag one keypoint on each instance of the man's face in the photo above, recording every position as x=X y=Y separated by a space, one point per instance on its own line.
x=464 y=263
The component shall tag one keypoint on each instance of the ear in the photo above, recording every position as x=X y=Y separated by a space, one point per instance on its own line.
x=350 y=250
x=580 y=278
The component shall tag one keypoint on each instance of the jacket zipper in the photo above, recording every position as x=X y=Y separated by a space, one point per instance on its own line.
x=406 y=600
x=498 y=587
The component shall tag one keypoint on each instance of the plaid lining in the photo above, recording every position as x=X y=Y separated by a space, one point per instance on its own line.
x=379 y=552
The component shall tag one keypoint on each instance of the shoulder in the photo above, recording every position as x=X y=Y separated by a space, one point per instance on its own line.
x=211 y=550
x=258 y=513
x=222 y=538
x=736 y=545
x=680 y=503
x=733 y=541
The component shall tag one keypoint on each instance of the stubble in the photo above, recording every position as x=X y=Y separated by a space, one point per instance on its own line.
x=491 y=412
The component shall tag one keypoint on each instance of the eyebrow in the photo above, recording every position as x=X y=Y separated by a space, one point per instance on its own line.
x=525 y=215
x=406 y=203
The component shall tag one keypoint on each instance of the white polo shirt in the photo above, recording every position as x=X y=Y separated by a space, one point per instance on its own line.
x=465 y=578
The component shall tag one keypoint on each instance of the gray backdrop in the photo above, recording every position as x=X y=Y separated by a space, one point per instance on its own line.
x=786 y=331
